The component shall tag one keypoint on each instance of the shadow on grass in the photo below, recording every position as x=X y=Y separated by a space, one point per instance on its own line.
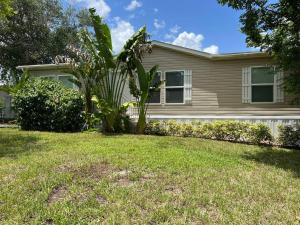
x=14 y=144
x=280 y=158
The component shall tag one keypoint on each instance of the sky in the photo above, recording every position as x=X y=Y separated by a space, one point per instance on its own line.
x=203 y=25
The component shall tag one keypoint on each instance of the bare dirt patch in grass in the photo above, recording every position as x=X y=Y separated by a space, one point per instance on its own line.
x=212 y=212
x=48 y=222
x=122 y=178
x=173 y=190
x=57 y=194
x=94 y=171
x=102 y=200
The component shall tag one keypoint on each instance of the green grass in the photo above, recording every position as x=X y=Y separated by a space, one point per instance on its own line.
x=89 y=178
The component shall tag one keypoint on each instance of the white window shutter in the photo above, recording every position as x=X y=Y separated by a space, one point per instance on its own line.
x=246 y=85
x=163 y=88
x=188 y=86
x=278 y=87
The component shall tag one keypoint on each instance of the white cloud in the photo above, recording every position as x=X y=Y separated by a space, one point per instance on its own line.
x=175 y=29
x=101 y=6
x=134 y=4
x=213 y=49
x=121 y=32
x=193 y=41
x=159 y=24
x=170 y=36
x=189 y=40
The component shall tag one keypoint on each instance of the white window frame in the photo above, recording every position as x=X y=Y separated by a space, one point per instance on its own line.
x=160 y=94
x=173 y=87
x=262 y=84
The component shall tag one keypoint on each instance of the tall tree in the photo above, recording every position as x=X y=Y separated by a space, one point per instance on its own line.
x=35 y=33
x=5 y=8
x=275 y=28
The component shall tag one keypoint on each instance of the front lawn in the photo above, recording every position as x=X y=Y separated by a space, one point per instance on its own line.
x=89 y=178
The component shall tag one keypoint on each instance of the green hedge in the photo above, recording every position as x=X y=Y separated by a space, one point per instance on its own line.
x=47 y=105
x=228 y=130
x=289 y=135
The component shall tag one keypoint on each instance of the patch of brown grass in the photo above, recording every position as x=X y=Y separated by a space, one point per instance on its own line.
x=58 y=193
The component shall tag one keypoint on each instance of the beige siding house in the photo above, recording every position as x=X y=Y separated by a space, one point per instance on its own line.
x=202 y=86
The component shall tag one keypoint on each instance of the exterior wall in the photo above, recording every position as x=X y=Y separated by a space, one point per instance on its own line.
x=217 y=87
x=6 y=112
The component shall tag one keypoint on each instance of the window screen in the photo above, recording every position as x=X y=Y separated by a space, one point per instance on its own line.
x=262 y=81
x=155 y=94
x=175 y=87
x=66 y=81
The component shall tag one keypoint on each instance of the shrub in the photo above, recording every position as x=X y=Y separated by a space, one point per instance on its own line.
x=259 y=133
x=172 y=127
x=186 y=130
x=156 y=128
x=289 y=135
x=230 y=130
x=46 y=105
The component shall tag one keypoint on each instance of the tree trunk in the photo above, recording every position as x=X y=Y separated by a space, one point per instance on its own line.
x=88 y=110
x=141 y=124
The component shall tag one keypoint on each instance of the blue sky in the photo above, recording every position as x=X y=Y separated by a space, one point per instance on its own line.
x=199 y=24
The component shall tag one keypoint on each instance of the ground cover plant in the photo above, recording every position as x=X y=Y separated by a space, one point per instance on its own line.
x=89 y=178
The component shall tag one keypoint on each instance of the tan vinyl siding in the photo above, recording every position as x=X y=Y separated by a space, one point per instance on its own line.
x=217 y=86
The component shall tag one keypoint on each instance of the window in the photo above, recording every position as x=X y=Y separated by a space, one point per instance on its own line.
x=155 y=94
x=175 y=87
x=262 y=84
x=48 y=77
x=66 y=81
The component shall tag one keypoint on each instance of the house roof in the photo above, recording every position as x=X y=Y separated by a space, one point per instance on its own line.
x=228 y=56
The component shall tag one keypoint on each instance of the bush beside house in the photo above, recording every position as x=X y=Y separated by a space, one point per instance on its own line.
x=46 y=105
x=219 y=130
x=289 y=135
x=230 y=130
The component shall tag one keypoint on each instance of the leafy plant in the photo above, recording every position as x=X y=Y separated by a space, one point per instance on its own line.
x=229 y=130
x=289 y=135
x=110 y=73
x=85 y=76
x=48 y=106
x=14 y=88
x=140 y=89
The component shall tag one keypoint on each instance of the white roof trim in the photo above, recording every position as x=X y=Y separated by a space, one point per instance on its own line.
x=44 y=66
x=211 y=56
x=241 y=55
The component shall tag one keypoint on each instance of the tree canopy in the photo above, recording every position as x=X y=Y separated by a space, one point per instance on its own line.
x=36 y=32
x=5 y=8
x=275 y=28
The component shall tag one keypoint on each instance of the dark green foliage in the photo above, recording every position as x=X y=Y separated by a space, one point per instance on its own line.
x=35 y=33
x=46 y=105
x=220 y=130
x=289 y=135
x=275 y=27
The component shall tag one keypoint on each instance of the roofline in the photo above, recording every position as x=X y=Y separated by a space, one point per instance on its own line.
x=44 y=66
x=215 y=57
x=228 y=56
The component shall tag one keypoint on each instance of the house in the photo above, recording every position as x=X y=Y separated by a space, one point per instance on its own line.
x=6 y=111
x=203 y=86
